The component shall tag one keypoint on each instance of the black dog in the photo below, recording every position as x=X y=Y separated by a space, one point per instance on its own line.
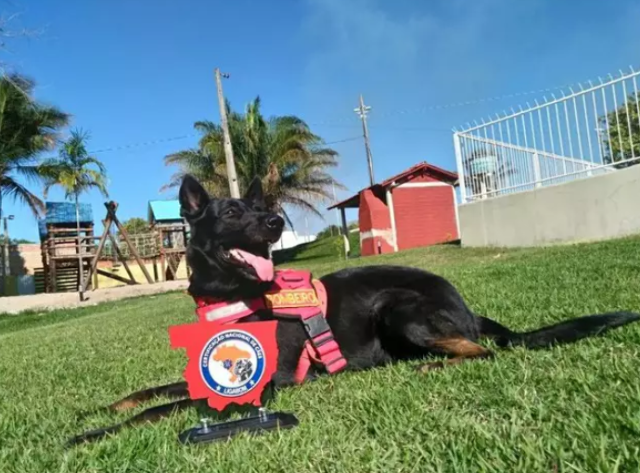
x=378 y=314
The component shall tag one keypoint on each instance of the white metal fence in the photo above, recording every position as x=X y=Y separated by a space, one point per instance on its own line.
x=589 y=131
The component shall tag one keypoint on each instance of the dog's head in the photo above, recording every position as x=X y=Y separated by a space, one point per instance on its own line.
x=230 y=238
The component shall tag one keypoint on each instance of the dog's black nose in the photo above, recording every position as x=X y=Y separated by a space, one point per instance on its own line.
x=275 y=222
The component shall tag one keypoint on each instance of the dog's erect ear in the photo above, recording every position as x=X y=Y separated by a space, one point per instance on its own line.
x=254 y=192
x=193 y=198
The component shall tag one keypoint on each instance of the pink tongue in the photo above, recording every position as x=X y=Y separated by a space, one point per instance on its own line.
x=262 y=266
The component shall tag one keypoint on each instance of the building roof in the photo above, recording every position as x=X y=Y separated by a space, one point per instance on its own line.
x=164 y=210
x=379 y=189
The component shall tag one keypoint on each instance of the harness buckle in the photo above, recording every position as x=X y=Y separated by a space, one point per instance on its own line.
x=316 y=325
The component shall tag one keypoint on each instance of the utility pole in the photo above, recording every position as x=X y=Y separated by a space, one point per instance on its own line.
x=306 y=226
x=362 y=111
x=6 y=265
x=335 y=201
x=228 y=149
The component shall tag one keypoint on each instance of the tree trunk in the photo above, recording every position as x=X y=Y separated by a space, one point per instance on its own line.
x=5 y=251
x=80 y=258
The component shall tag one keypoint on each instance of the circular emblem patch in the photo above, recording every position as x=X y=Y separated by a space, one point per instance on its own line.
x=232 y=363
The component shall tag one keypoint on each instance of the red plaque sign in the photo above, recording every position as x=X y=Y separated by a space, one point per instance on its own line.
x=228 y=363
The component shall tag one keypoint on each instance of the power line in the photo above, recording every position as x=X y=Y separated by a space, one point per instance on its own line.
x=354 y=138
x=141 y=144
x=471 y=102
x=182 y=137
x=335 y=122
x=464 y=103
x=386 y=127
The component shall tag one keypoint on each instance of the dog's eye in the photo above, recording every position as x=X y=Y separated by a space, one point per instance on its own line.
x=230 y=212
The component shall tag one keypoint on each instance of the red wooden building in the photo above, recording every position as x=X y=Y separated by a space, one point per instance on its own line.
x=414 y=208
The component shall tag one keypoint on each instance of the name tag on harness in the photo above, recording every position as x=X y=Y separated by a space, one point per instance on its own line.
x=291 y=298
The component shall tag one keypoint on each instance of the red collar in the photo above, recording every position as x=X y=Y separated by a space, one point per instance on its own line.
x=292 y=294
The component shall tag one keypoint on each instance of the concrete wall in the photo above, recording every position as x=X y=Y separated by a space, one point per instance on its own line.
x=595 y=208
x=290 y=238
x=25 y=258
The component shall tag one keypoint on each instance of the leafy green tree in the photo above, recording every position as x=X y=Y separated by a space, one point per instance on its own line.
x=16 y=241
x=27 y=128
x=621 y=133
x=329 y=231
x=76 y=172
x=290 y=159
x=136 y=226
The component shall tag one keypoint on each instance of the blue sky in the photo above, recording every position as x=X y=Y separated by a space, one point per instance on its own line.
x=141 y=71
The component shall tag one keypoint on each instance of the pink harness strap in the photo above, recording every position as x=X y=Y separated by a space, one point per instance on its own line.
x=321 y=346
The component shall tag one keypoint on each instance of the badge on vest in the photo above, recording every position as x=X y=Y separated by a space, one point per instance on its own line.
x=291 y=298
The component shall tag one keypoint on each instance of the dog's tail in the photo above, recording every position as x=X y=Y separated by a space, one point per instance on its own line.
x=564 y=332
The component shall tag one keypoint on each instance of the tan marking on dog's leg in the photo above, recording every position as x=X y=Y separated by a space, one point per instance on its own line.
x=461 y=349
x=124 y=405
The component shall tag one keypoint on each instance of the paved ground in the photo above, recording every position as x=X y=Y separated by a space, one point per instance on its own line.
x=13 y=305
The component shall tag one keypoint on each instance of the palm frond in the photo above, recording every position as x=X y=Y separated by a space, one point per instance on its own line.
x=290 y=159
x=18 y=192
x=27 y=128
x=74 y=169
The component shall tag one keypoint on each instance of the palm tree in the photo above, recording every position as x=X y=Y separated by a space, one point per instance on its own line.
x=289 y=158
x=27 y=128
x=76 y=172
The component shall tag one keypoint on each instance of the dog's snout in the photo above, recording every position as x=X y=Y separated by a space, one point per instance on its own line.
x=275 y=222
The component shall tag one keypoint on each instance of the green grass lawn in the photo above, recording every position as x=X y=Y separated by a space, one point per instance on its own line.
x=329 y=249
x=574 y=408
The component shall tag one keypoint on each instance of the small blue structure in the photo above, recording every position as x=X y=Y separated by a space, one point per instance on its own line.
x=62 y=256
x=164 y=217
x=64 y=214
x=164 y=212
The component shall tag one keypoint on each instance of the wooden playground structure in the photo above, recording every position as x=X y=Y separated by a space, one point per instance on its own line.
x=172 y=240
x=63 y=251
x=67 y=250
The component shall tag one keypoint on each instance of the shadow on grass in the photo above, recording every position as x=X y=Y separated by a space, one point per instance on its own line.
x=10 y=323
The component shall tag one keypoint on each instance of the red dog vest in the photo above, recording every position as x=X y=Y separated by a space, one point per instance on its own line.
x=293 y=294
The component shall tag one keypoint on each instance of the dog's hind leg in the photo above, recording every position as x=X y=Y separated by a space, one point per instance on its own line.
x=173 y=391
x=152 y=414
x=425 y=324
x=460 y=349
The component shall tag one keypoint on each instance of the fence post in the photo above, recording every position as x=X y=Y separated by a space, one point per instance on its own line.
x=536 y=170
x=459 y=163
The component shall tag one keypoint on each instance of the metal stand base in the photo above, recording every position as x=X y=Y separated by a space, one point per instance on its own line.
x=263 y=422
